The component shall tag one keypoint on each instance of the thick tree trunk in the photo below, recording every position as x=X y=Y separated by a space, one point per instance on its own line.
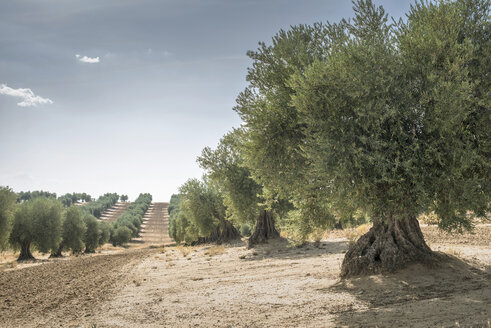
x=223 y=233
x=264 y=230
x=388 y=246
x=25 y=252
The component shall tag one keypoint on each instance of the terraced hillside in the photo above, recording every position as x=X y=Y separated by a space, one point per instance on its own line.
x=114 y=212
x=155 y=225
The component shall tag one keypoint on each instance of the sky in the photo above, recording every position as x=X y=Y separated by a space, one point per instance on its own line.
x=122 y=95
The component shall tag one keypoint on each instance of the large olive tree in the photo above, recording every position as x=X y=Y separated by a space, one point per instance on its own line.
x=390 y=119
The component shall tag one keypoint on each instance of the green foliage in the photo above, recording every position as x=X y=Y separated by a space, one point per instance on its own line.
x=96 y=208
x=29 y=195
x=68 y=199
x=105 y=229
x=132 y=218
x=123 y=198
x=7 y=209
x=226 y=170
x=38 y=221
x=173 y=211
x=92 y=234
x=74 y=229
x=363 y=116
x=121 y=235
x=201 y=212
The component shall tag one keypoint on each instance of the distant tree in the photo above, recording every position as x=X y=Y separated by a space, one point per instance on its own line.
x=74 y=229
x=96 y=208
x=121 y=235
x=202 y=214
x=7 y=209
x=173 y=211
x=29 y=195
x=37 y=222
x=132 y=218
x=123 y=198
x=92 y=234
x=105 y=229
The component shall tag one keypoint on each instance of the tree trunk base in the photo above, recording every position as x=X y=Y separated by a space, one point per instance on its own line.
x=387 y=247
x=264 y=230
x=25 y=253
x=225 y=232
x=58 y=252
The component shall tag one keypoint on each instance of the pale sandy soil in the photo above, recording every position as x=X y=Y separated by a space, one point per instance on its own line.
x=271 y=286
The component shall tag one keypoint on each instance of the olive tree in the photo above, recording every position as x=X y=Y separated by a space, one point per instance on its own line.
x=37 y=222
x=387 y=119
x=7 y=209
x=273 y=138
x=74 y=229
x=202 y=214
x=92 y=233
x=241 y=194
x=396 y=124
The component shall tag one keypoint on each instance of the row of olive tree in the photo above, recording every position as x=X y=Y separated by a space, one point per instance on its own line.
x=387 y=119
x=97 y=208
x=68 y=199
x=42 y=222
x=128 y=224
x=28 y=195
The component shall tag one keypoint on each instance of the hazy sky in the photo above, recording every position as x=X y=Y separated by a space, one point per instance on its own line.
x=125 y=94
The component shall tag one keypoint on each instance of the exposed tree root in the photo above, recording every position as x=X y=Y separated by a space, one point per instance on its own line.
x=388 y=246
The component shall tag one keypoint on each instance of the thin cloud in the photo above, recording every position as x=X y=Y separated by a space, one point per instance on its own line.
x=28 y=97
x=89 y=60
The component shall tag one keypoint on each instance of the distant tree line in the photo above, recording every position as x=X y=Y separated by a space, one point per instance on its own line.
x=129 y=223
x=41 y=221
x=68 y=199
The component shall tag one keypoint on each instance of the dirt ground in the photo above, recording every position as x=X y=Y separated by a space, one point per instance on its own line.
x=271 y=286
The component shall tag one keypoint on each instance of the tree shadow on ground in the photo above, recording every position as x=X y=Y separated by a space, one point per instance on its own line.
x=454 y=292
x=281 y=248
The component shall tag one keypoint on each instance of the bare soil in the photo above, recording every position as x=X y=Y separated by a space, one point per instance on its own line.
x=272 y=285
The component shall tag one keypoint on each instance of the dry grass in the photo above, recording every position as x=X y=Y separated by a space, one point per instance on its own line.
x=353 y=234
x=215 y=250
x=318 y=235
x=184 y=250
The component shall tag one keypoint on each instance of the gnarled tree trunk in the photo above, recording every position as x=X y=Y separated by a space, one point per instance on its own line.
x=25 y=252
x=388 y=246
x=264 y=230
x=224 y=232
